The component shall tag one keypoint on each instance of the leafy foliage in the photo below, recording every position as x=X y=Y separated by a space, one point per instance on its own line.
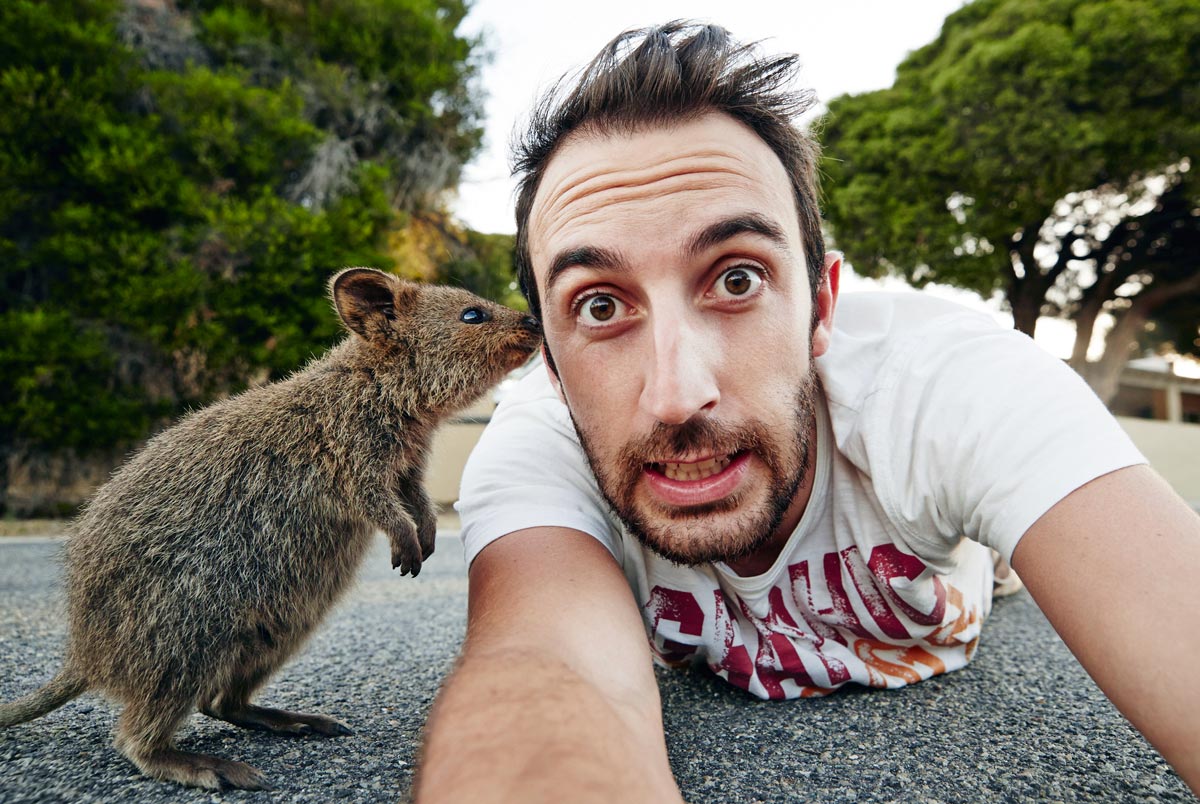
x=1040 y=149
x=178 y=180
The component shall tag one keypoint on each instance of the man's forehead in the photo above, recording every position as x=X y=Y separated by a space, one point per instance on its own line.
x=595 y=175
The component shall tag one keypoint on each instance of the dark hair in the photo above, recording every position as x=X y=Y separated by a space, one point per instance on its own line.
x=673 y=72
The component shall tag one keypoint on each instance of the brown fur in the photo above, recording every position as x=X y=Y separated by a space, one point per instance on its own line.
x=211 y=555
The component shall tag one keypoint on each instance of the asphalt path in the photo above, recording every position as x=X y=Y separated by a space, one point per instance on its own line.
x=1022 y=723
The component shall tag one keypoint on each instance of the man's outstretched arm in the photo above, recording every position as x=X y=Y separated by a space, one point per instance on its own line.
x=1116 y=568
x=554 y=697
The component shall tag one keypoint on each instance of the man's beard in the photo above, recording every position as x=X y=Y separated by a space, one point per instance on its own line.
x=688 y=536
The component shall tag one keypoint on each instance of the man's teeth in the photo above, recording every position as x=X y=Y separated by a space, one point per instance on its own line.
x=693 y=471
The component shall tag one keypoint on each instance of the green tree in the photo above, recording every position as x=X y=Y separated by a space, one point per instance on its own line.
x=388 y=81
x=1040 y=149
x=178 y=181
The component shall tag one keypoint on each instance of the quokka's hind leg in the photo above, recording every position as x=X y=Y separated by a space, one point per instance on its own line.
x=144 y=734
x=233 y=706
x=278 y=721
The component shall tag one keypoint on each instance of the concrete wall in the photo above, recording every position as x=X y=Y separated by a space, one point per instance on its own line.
x=1173 y=449
x=452 y=443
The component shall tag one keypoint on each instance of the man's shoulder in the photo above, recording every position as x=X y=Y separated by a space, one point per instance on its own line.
x=530 y=383
x=527 y=398
x=528 y=412
x=888 y=315
x=876 y=334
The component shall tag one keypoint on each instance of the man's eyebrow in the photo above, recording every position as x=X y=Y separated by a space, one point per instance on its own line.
x=726 y=229
x=583 y=257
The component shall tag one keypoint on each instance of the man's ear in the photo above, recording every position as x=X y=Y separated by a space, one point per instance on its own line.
x=826 y=301
x=370 y=302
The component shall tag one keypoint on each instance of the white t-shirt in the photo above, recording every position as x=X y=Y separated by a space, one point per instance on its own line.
x=940 y=434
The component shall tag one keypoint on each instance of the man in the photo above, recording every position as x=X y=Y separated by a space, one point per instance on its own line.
x=796 y=498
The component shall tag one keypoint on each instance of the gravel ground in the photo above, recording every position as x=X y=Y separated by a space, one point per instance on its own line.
x=1022 y=723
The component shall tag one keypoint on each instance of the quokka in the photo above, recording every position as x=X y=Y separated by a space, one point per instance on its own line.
x=211 y=555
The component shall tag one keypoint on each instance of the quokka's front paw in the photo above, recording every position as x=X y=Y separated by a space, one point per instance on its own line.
x=428 y=537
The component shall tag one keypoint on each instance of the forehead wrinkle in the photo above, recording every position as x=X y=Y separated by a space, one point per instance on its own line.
x=585 y=207
x=600 y=200
x=589 y=179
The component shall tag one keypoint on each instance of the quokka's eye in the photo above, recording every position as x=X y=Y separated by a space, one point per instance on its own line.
x=475 y=315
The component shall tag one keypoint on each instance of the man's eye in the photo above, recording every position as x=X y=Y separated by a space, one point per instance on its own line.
x=598 y=309
x=736 y=282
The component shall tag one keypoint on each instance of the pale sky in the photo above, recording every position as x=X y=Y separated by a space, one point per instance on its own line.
x=845 y=46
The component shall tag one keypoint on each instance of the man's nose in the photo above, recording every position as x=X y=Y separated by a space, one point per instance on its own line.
x=679 y=375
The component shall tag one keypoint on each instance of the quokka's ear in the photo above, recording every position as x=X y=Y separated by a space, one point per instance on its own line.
x=371 y=303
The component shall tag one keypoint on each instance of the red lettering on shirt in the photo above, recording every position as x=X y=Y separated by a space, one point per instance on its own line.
x=888 y=563
x=734 y=665
x=796 y=627
x=817 y=631
x=681 y=608
x=776 y=658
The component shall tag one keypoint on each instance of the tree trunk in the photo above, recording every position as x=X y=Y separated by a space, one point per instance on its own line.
x=1025 y=297
x=1024 y=292
x=1105 y=374
x=1089 y=310
x=1085 y=325
x=1026 y=309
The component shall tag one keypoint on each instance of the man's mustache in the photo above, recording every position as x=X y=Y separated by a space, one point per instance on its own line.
x=697 y=436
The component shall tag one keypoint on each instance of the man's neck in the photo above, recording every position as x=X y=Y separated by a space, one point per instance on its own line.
x=764 y=557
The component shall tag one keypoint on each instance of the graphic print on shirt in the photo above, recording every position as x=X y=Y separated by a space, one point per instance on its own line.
x=884 y=622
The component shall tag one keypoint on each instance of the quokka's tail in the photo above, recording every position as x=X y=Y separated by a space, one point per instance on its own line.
x=62 y=688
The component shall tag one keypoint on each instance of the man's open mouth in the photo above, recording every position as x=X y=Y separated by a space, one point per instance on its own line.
x=697 y=470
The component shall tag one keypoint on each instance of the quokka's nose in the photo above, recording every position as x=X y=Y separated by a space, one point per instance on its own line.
x=531 y=324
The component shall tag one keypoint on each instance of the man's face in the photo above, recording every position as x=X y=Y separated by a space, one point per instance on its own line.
x=677 y=308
